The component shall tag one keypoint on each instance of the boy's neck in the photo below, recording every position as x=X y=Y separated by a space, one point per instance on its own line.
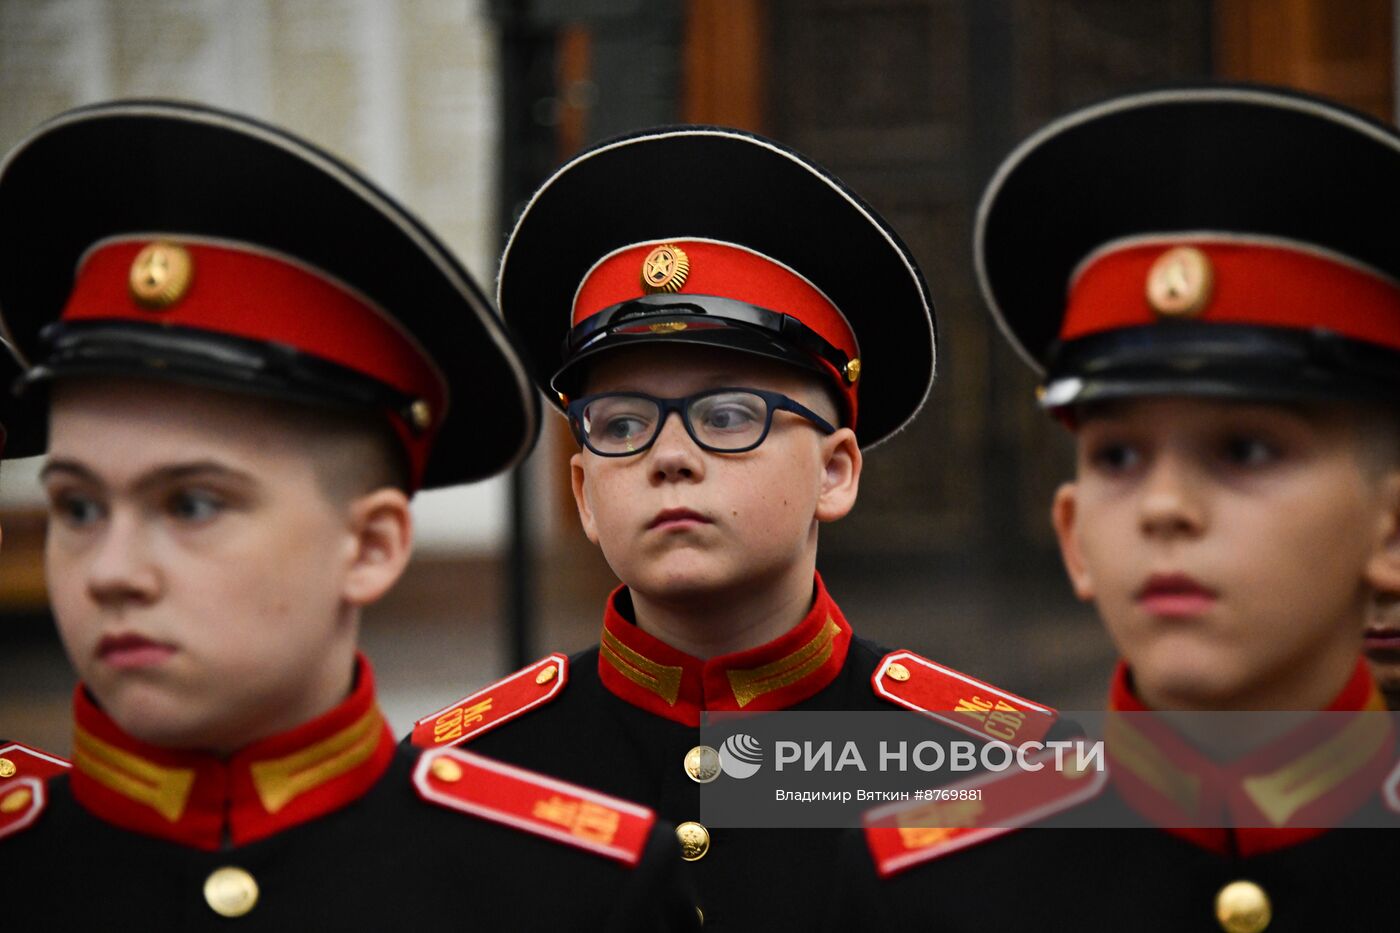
x=709 y=624
x=1317 y=688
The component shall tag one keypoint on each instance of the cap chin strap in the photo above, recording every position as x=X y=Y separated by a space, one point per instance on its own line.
x=205 y=358
x=1220 y=360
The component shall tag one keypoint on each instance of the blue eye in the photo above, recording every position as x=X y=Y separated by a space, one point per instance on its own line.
x=1115 y=457
x=725 y=415
x=76 y=511
x=730 y=418
x=1248 y=451
x=623 y=428
x=194 y=506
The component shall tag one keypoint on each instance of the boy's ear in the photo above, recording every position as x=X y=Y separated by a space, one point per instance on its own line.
x=1383 y=569
x=381 y=528
x=585 y=511
x=1064 y=515
x=841 y=465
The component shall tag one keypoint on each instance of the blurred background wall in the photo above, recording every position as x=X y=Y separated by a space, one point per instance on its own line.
x=461 y=107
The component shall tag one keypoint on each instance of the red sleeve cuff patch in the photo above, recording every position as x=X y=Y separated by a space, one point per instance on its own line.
x=534 y=803
x=902 y=835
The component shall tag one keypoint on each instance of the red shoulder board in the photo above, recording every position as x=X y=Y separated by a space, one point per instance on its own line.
x=21 y=802
x=966 y=703
x=489 y=707
x=18 y=761
x=983 y=807
x=557 y=810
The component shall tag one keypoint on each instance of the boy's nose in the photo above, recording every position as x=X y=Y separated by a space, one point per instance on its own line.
x=121 y=570
x=1171 y=503
x=674 y=455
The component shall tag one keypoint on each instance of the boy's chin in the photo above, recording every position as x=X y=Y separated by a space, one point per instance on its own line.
x=173 y=726
x=687 y=582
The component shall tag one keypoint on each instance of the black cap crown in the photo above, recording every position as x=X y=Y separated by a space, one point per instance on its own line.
x=1220 y=240
x=179 y=241
x=709 y=235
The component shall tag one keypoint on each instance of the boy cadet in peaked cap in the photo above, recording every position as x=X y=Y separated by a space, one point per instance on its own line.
x=1206 y=279
x=727 y=328
x=251 y=358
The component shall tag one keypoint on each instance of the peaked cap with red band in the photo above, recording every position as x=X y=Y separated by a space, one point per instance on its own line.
x=174 y=241
x=708 y=235
x=1231 y=241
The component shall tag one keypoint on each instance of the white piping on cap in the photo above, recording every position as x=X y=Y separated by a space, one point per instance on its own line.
x=755 y=141
x=438 y=256
x=1132 y=101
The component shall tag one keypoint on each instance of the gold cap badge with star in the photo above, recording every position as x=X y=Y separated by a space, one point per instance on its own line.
x=665 y=270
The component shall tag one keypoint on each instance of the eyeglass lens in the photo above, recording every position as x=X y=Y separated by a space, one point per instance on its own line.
x=622 y=424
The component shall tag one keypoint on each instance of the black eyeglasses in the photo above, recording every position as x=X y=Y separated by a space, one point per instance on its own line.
x=726 y=421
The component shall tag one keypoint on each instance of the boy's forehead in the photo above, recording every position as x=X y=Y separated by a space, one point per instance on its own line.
x=1206 y=411
x=86 y=414
x=680 y=368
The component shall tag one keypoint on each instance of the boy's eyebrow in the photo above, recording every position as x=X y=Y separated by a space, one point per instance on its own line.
x=66 y=466
x=164 y=474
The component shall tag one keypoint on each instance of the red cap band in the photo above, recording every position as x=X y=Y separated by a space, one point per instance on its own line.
x=724 y=270
x=1263 y=284
x=257 y=296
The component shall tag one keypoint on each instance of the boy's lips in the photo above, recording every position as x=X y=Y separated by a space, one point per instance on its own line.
x=678 y=518
x=1175 y=594
x=129 y=650
x=1383 y=641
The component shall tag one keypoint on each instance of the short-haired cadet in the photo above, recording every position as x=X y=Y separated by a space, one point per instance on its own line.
x=251 y=359
x=1206 y=280
x=728 y=329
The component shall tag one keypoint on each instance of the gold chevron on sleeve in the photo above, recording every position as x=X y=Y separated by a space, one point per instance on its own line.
x=1130 y=748
x=280 y=780
x=1284 y=792
x=165 y=790
x=664 y=680
x=748 y=685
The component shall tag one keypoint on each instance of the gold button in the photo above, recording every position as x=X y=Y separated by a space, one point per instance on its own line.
x=16 y=800
x=160 y=275
x=702 y=764
x=7 y=768
x=547 y=674
x=231 y=892
x=897 y=672
x=421 y=413
x=695 y=840
x=1243 y=907
x=445 y=769
x=853 y=370
x=1179 y=282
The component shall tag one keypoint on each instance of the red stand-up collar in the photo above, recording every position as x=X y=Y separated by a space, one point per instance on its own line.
x=1277 y=795
x=201 y=800
x=649 y=673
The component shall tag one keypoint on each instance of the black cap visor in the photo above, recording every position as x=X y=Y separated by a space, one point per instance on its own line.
x=221 y=361
x=695 y=319
x=1241 y=362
